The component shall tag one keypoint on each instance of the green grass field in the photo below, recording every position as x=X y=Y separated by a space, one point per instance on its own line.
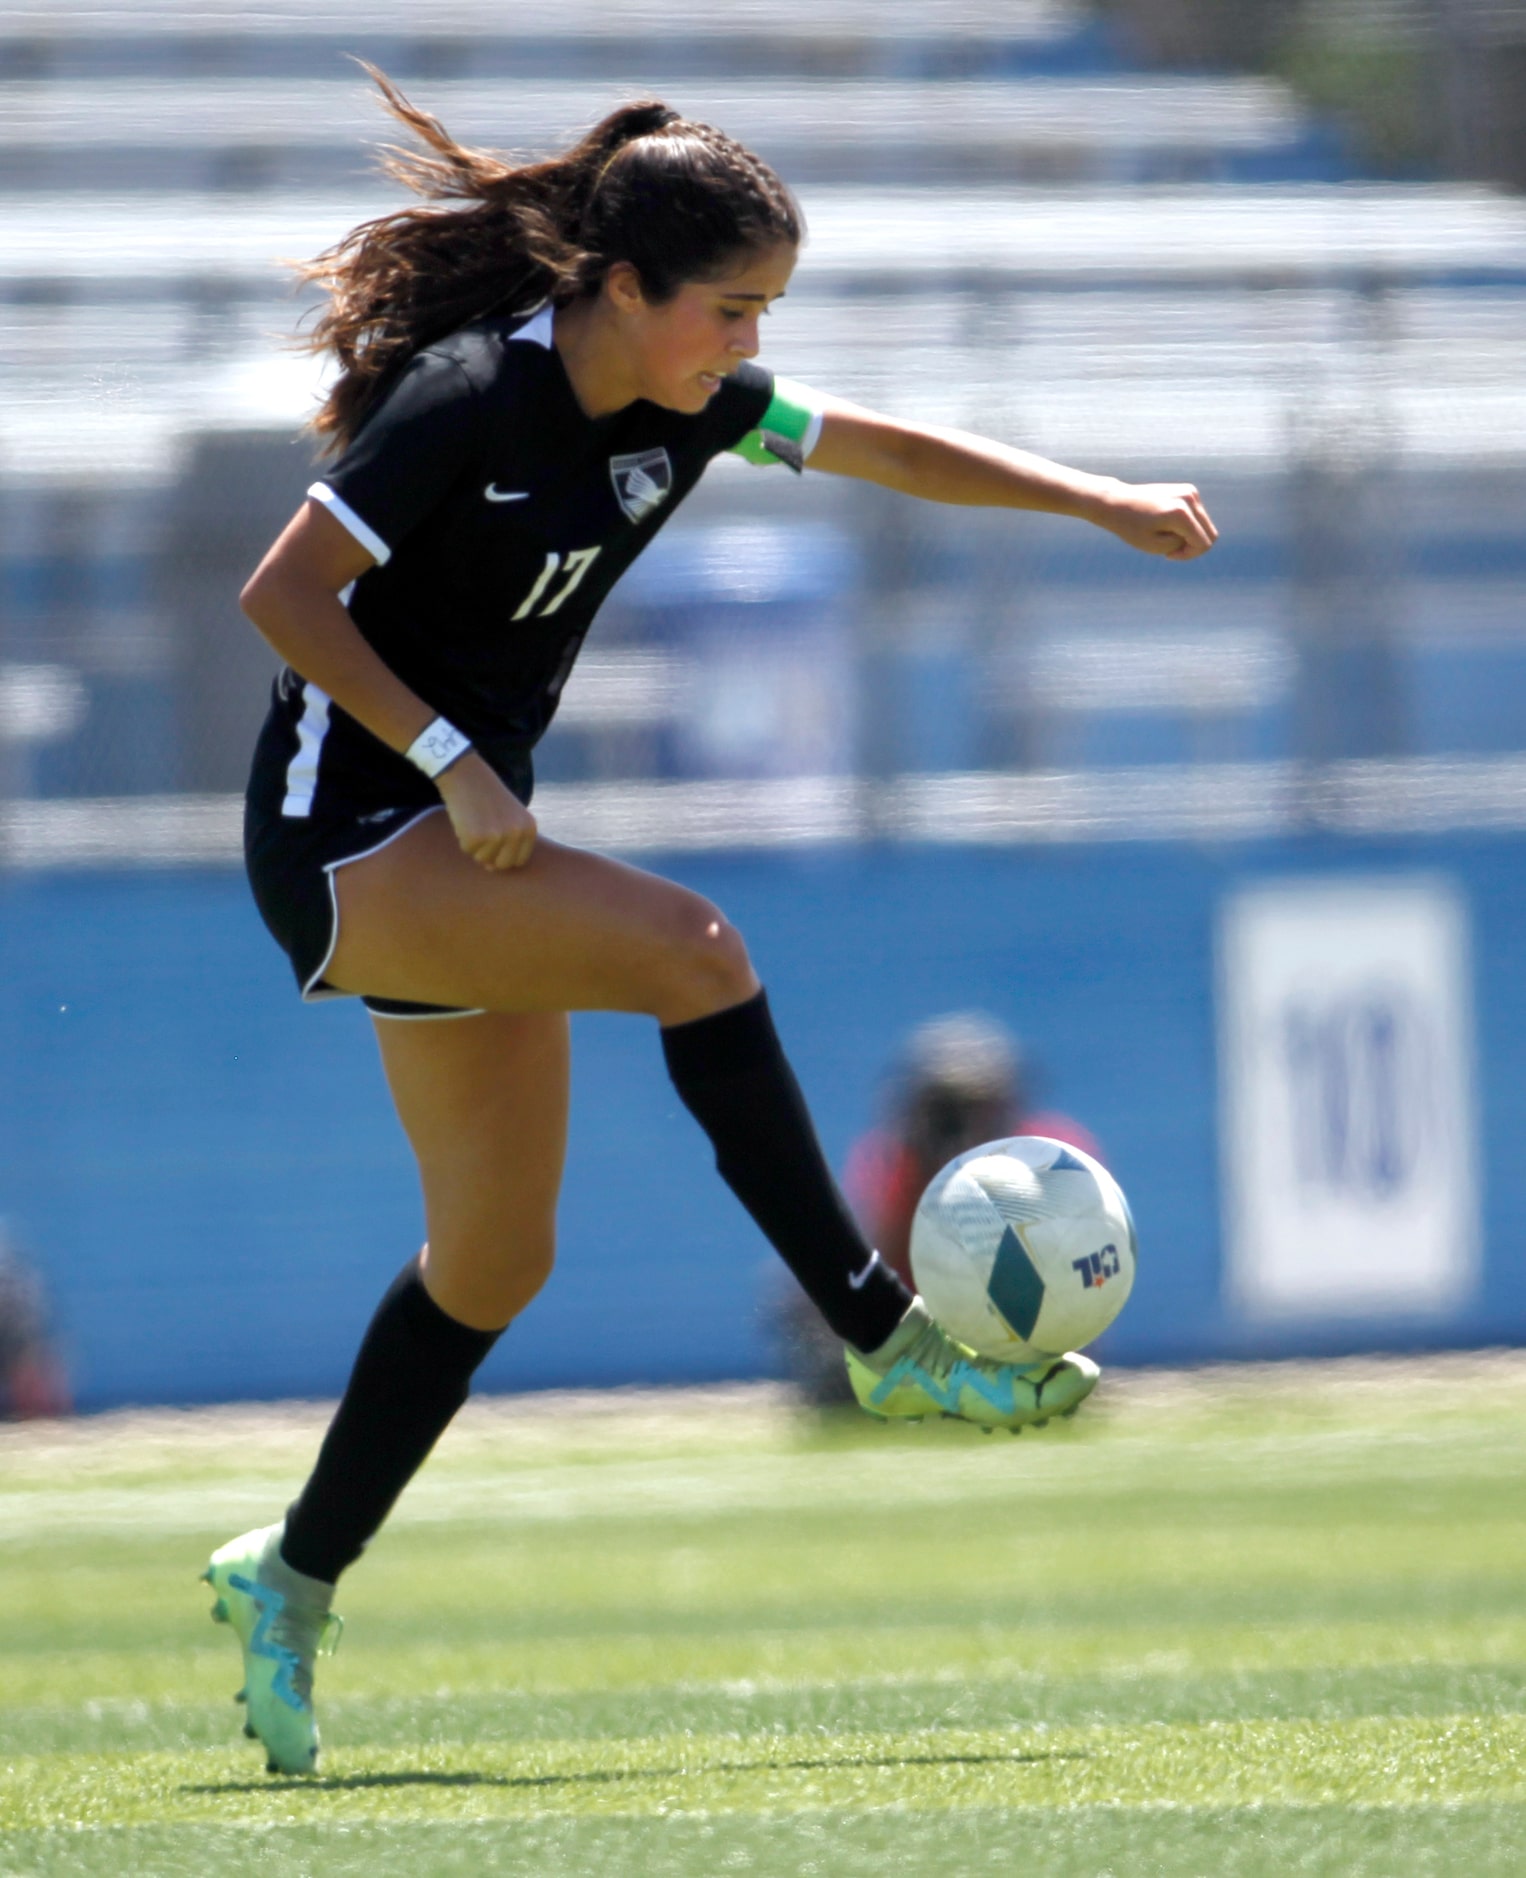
x=1257 y=1622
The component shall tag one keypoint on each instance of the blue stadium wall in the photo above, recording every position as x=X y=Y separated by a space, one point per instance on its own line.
x=211 y=1180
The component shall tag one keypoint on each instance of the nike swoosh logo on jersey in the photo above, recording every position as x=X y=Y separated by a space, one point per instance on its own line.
x=495 y=494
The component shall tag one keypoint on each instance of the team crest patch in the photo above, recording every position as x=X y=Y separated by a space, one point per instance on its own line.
x=643 y=481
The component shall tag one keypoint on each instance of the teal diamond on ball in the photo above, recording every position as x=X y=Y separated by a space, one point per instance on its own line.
x=1016 y=1289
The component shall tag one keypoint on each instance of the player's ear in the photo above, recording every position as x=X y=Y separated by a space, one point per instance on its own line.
x=623 y=285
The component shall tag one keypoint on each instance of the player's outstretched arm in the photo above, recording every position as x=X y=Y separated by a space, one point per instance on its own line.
x=957 y=466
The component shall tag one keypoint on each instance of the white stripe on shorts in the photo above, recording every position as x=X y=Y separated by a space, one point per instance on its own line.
x=302 y=771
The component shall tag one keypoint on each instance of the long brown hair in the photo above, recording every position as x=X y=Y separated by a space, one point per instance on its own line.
x=675 y=198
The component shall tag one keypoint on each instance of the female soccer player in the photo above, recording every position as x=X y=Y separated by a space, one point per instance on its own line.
x=535 y=367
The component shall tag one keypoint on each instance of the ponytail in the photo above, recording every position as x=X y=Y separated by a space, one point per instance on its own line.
x=674 y=198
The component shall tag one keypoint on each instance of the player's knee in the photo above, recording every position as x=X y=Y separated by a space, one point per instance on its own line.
x=486 y=1271
x=715 y=966
x=535 y=1260
x=515 y=1278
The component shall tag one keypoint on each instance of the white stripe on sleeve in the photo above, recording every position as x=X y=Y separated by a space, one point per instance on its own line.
x=363 y=532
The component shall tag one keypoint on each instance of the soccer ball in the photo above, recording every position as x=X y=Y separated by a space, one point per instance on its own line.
x=1024 y=1248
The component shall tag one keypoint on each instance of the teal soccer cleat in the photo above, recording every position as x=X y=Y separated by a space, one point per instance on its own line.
x=922 y=1371
x=283 y=1621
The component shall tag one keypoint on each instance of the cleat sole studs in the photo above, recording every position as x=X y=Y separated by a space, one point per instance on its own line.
x=242 y=1696
x=249 y=1732
x=220 y=1611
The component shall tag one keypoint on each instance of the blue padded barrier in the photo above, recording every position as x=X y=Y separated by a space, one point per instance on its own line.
x=211 y=1179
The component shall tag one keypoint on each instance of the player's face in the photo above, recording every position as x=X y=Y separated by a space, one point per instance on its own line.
x=688 y=344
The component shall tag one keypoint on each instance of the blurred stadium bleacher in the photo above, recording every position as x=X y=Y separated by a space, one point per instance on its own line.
x=1153 y=274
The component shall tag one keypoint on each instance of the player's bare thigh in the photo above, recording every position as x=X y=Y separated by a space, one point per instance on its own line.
x=569 y=931
x=483 y=1101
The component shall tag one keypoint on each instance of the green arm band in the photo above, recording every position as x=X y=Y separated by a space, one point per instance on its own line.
x=792 y=420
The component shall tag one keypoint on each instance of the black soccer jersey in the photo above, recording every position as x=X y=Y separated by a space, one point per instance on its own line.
x=500 y=516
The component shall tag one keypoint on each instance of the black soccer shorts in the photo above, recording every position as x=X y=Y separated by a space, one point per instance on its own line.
x=292 y=861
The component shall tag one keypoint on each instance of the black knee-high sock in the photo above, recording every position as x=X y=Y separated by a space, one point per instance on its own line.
x=412 y=1373
x=731 y=1073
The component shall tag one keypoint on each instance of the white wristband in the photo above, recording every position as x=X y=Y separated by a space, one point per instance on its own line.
x=436 y=747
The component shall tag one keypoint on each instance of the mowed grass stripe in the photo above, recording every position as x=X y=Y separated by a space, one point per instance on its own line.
x=704 y=1453
x=865 y=1655
x=1366 y=1762
x=948 y=1700
x=949 y=1468
x=1095 y=1842
x=1132 y=1693
x=1070 y=1842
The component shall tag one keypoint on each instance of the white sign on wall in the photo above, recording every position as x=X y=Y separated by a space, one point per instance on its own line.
x=1347 y=1102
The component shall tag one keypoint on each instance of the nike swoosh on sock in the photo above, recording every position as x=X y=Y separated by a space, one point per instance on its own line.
x=857 y=1280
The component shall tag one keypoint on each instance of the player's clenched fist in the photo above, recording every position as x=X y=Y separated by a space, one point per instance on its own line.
x=1159 y=518
x=492 y=825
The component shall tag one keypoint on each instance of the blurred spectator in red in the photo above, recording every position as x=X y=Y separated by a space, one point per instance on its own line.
x=32 y=1380
x=958 y=1082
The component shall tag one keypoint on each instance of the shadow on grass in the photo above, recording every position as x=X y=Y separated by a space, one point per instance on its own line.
x=351 y=1783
